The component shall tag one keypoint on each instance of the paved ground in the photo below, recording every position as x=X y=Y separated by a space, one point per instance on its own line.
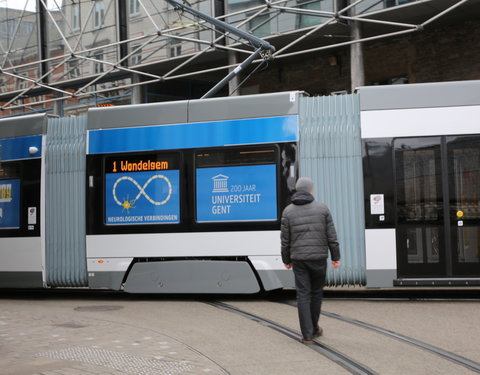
x=103 y=333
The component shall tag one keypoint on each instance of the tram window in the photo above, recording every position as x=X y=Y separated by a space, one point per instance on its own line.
x=9 y=170
x=422 y=245
x=466 y=178
x=418 y=185
x=464 y=155
x=9 y=203
x=236 y=185
x=235 y=157
x=378 y=179
x=9 y=196
x=142 y=189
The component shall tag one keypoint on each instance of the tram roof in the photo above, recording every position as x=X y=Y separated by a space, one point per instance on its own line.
x=422 y=95
x=23 y=125
x=199 y=110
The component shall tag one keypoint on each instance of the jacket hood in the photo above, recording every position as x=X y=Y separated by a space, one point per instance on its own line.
x=301 y=198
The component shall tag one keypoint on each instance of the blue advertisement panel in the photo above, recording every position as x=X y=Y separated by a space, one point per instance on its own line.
x=18 y=148
x=194 y=135
x=9 y=204
x=244 y=193
x=147 y=197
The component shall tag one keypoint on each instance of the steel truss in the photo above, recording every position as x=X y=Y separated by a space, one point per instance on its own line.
x=50 y=87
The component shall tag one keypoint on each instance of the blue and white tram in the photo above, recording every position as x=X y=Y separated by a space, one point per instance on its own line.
x=181 y=197
x=186 y=197
x=421 y=166
x=20 y=201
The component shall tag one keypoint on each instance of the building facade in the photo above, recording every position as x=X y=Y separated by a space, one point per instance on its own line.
x=76 y=54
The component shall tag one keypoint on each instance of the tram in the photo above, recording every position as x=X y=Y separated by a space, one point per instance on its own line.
x=186 y=197
x=421 y=165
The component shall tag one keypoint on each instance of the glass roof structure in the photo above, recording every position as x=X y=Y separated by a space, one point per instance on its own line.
x=70 y=51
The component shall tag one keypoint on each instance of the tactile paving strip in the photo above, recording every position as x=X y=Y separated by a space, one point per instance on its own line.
x=119 y=361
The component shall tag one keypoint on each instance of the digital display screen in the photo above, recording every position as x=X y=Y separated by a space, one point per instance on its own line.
x=240 y=193
x=9 y=204
x=143 y=163
x=142 y=190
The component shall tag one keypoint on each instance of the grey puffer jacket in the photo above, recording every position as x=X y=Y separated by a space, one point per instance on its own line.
x=307 y=230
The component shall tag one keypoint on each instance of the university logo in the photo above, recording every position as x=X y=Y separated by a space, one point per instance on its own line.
x=220 y=184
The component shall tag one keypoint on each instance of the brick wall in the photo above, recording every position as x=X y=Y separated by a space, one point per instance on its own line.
x=447 y=53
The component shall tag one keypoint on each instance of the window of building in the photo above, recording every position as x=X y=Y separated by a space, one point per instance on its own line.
x=133 y=7
x=15 y=27
x=26 y=28
x=136 y=58
x=73 y=69
x=75 y=16
x=307 y=20
x=175 y=48
x=7 y=29
x=260 y=25
x=392 y=3
x=21 y=84
x=99 y=14
x=98 y=67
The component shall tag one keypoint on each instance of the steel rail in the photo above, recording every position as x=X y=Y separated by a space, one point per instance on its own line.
x=214 y=44
x=84 y=28
x=434 y=18
x=379 y=22
x=342 y=44
x=386 y=10
x=79 y=53
x=9 y=47
x=313 y=12
x=459 y=360
x=37 y=82
x=255 y=41
x=471 y=365
x=31 y=80
x=349 y=364
x=57 y=27
x=306 y=35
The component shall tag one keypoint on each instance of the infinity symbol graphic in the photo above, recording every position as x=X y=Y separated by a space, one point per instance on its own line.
x=141 y=189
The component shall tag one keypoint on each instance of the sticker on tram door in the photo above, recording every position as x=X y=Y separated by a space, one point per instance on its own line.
x=32 y=216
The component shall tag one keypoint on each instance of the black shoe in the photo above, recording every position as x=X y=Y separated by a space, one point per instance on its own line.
x=318 y=332
x=306 y=341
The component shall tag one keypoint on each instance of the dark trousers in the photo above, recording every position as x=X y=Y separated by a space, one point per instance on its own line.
x=309 y=282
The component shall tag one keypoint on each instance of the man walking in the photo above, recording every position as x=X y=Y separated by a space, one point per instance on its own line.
x=307 y=233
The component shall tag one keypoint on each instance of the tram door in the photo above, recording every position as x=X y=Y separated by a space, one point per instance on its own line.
x=437 y=204
x=464 y=187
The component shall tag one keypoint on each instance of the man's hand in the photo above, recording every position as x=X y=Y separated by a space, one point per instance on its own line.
x=288 y=266
x=335 y=263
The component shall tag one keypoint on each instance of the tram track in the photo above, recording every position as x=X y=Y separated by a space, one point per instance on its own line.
x=459 y=360
x=349 y=364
